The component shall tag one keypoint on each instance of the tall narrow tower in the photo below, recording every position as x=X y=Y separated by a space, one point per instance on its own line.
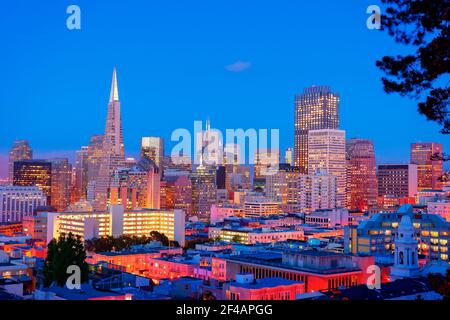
x=112 y=156
x=315 y=109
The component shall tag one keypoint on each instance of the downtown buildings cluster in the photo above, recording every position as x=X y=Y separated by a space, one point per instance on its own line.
x=312 y=225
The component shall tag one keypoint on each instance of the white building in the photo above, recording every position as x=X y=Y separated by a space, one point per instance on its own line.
x=116 y=222
x=260 y=207
x=17 y=202
x=326 y=153
x=328 y=218
x=406 y=262
x=308 y=193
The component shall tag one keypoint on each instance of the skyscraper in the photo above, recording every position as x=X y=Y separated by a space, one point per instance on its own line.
x=20 y=151
x=153 y=149
x=326 y=154
x=289 y=156
x=397 y=180
x=316 y=108
x=137 y=186
x=204 y=191
x=112 y=156
x=361 y=175
x=428 y=157
x=34 y=173
x=80 y=180
x=61 y=183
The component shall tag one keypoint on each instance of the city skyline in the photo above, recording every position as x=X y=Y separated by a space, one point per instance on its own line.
x=156 y=79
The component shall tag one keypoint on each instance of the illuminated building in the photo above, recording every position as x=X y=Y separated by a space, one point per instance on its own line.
x=80 y=180
x=397 y=180
x=428 y=157
x=318 y=270
x=406 y=259
x=61 y=183
x=9 y=229
x=11 y=268
x=246 y=288
x=308 y=193
x=316 y=108
x=289 y=157
x=326 y=154
x=117 y=222
x=94 y=157
x=176 y=191
x=221 y=212
x=136 y=187
x=362 y=188
x=266 y=162
x=238 y=178
x=20 y=151
x=328 y=218
x=136 y=261
x=376 y=236
x=441 y=208
x=18 y=202
x=246 y=235
x=35 y=226
x=276 y=187
x=172 y=267
x=204 y=191
x=260 y=207
x=34 y=173
x=112 y=155
x=153 y=149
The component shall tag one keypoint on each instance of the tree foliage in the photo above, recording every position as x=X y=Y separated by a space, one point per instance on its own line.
x=62 y=253
x=124 y=242
x=424 y=25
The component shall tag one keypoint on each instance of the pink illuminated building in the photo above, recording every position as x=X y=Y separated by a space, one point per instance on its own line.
x=133 y=261
x=318 y=270
x=361 y=175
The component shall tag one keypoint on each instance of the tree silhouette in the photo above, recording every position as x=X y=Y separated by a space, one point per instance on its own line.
x=421 y=76
x=62 y=253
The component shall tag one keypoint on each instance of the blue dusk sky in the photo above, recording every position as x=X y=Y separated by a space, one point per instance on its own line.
x=237 y=62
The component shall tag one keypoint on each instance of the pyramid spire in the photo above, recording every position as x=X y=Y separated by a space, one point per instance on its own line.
x=114 y=95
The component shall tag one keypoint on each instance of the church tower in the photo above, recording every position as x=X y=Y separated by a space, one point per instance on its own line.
x=406 y=257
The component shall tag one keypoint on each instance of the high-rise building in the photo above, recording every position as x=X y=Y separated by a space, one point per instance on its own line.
x=397 y=180
x=80 y=179
x=308 y=193
x=94 y=156
x=428 y=157
x=316 y=108
x=20 y=151
x=112 y=155
x=289 y=156
x=176 y=191
x=17 y=202
x=36 y=173
x=61 y=183
x=204 y=191
x=326 y=154
x=153 y=148
x=266 y=162
x=136 y=187
x=362 y=188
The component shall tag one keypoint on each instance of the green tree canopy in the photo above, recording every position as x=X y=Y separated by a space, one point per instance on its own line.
x=422 y=75
x=62 y=253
